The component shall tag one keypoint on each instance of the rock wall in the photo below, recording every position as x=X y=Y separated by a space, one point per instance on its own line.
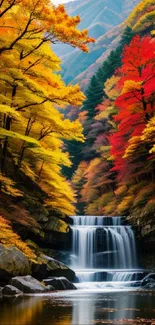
x=144 y=224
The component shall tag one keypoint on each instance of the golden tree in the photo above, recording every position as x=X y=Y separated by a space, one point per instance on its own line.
x=33 y=96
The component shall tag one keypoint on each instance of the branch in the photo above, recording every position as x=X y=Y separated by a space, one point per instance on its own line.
x=19 y=37
x=30 y=52
x=33 y=64
x=6 y=9
x=31 y=104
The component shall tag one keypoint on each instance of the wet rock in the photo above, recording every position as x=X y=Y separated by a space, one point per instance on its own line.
x=60 y=283
x=39 y=271
x=50 y=288
x=28 y=284
x=10 y=290
x=12 y=262
x=136 y=284
x=149 y=281
x=58 y=269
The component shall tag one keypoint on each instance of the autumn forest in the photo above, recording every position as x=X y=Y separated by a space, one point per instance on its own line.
x=77 y=162
x=64 y=151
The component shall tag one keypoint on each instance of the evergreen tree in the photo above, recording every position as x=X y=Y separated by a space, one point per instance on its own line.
x=94 y=96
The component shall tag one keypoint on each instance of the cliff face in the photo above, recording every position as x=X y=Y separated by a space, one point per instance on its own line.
x=144 y=223
x=103 y=19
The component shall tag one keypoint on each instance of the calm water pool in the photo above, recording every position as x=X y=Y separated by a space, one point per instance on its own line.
x=81 y=307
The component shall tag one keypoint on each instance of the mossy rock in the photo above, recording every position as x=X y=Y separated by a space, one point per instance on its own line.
x=50 y=268
x=12 y=262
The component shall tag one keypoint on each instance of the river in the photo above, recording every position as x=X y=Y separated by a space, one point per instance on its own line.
x=124 y=306
x=108 y=280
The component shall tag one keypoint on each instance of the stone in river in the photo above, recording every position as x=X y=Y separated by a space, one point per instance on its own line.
x=60 y=283
x=10 y=290
x=28 y=284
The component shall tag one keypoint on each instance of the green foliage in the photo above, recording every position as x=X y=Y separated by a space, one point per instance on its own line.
x=120 y=126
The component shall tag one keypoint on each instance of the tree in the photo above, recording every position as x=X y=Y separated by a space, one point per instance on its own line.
x=136 y=102
x=32 y=127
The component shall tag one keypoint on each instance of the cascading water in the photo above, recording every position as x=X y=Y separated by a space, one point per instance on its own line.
x=103 y=249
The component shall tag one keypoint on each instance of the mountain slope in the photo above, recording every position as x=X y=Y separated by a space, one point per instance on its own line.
x=103 y=19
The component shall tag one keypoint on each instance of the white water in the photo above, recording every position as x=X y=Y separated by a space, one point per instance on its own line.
x=103 y=250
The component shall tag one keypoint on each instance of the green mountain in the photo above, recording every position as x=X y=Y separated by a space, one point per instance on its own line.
x=103 y=19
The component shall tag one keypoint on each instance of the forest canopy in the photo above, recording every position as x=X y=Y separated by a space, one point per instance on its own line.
x=116 y=172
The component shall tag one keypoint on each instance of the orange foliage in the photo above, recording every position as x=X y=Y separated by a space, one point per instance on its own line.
x=9 y=238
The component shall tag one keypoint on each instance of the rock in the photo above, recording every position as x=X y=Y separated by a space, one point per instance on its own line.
x=149 y=281
x=39 y=271
x=58 y=269
x=28 y=284
x=135 y=284
x=12 y=262
x=149 y=284
x=51 y=267
x=1 y=288
x=9 y=290
x=60 y=283
x=50 y=288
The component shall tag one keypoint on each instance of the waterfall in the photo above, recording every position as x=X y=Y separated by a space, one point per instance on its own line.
x=102 y=241
x=103 y=249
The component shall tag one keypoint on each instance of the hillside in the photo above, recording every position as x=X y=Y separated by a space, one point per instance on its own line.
x=116 y=174
x=103 y=19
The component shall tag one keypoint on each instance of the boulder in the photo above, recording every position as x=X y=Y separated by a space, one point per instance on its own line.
x=39 y=271
x=149 y=281
x=51 y=267
x=12 y=262
x=60 y=283
x=9 y=290
x=58 y=269
x=28 y=284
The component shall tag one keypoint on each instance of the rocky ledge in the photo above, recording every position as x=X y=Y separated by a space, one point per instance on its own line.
x=19 y=275
x=14 y=263
x=20 y=285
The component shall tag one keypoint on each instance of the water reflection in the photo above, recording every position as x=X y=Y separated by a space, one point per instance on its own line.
x=89 y=308
x=83 y=310
x=80 y=308
x=19 y=311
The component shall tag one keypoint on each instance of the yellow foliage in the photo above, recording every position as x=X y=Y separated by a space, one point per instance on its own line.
x=105 y=199
x=142 y=16
x=149 y=134
x=121 y=191
x=144 y=195
x=8 y=187
x=133 y=144
x=33 y=96
x=10 y=238
x=111 y=208
x=125 y=205
x=110 y=87
x=131 y=85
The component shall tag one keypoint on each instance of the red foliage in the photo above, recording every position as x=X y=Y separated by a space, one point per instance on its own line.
x=136 y=104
